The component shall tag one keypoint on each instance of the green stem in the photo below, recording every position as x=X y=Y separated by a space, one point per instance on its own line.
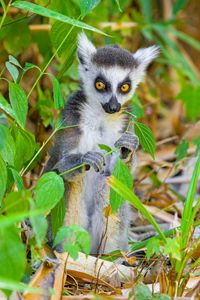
x=48 y=63
x=5 y=13
x=38 y=152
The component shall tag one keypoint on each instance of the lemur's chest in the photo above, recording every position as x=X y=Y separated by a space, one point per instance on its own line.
x=99 y=129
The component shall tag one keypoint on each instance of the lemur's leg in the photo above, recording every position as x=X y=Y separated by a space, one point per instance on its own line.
x=76 y=210
x=116 y=236
x=90 y=159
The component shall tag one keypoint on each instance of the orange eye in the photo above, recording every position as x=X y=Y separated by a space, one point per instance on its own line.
x=125 y=88
x=100 y=86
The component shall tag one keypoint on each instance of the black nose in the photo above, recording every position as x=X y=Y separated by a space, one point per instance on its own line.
x=112 y=106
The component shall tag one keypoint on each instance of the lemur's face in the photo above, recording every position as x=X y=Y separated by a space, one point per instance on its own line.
x=110 y=74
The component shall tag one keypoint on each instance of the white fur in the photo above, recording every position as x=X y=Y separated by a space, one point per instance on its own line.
x=85 y=47
x=145 y=56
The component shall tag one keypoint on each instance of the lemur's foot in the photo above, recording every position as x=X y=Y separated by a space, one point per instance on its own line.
x=94 y=159
x=128 y=142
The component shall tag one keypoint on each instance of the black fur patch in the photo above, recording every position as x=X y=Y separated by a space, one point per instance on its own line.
x=112 y=55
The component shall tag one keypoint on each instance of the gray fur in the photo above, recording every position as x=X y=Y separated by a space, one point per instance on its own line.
x=86 y=189
x=110 y=56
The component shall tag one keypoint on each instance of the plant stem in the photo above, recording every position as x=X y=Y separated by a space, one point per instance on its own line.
x=48 y=63
x=5 y=13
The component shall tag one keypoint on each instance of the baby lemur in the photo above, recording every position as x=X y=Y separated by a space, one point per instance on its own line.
x=109 y=77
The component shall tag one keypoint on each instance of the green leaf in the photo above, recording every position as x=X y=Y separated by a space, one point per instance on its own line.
x=104 y=147
x=29 y=66
x=87 y=5
x=196 y=142
x=122 y=173
x=186 y=38
x=146 y=138
x=3 y=178
x=48 y=191
x=3 y=136
x=172 y=248
x=17 y=202
x=181 y=150
x=153 y=247
x=137 y=108
x=127 y=194
x=8 y=150
x=25 y=146
x=4 y=105
x=187 y=221
x=72 y=249
x=57 y=216
x=12 y=70
x=118 y=5
x=17 y=178
x=12 y=254
x=15 y=285
x=59 y=101
x=39 y=225
x=14 y=61
x=53 y=14
x=62 y=234
x=178 y=5
x=142 y=292
x=19 y=103
x=190 y=95
x=146 y=7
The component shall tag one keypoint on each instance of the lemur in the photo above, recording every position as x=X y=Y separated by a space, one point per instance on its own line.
x=109 y=77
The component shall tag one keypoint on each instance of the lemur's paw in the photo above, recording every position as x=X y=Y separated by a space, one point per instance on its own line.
x=128 y=142
x=94 y=159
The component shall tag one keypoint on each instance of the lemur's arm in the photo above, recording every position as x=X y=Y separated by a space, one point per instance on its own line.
x=68 y=164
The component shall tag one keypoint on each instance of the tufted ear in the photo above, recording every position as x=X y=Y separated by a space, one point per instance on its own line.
x=85 y=49
x=144 y=56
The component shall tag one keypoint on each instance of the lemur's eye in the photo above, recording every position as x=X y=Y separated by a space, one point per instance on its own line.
x=124 y=88
x=100 y=85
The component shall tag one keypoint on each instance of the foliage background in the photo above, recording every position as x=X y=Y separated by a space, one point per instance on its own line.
x=38 y=70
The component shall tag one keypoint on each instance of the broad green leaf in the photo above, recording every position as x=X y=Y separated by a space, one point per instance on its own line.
x=62 y=234
x=8 y=150
x=57 y=216
x=172 y=248
x=4 y=105
x=153 y=247
x=12 y=254
x=181 y=150
x=87 y=5
x=72 y=249
x=118 y=5
x=59 y=101
x=17 y=178
x=3 y=178
x=127 y=194
x=53 y=14
x=122 y=173
x=3 y=136
x=17 y=202
x=146 y=7
x=14 y=61
x=25 y=147
x=190 y=95
x=15 y=285
x=142 y=292
x=39 y=225
x=48 y=191
x=146 y=138
x=137 y=108
x=59 y=32
x=178 y=5
x=19 y=103
x=29 y=66
x=12 y=70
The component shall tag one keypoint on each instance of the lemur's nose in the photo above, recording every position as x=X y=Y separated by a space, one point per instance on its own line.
x=112 y=106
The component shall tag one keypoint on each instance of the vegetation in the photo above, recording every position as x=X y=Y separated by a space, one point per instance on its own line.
x=38 y=70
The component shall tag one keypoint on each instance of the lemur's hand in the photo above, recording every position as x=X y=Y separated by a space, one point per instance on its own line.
x=128 y=142
x=93 y=159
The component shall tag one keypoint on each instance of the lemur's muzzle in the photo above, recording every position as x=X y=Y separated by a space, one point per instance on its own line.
x=112 y=106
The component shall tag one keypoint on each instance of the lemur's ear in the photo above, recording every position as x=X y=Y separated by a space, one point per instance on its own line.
x=144 y=56
x=85 y=49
